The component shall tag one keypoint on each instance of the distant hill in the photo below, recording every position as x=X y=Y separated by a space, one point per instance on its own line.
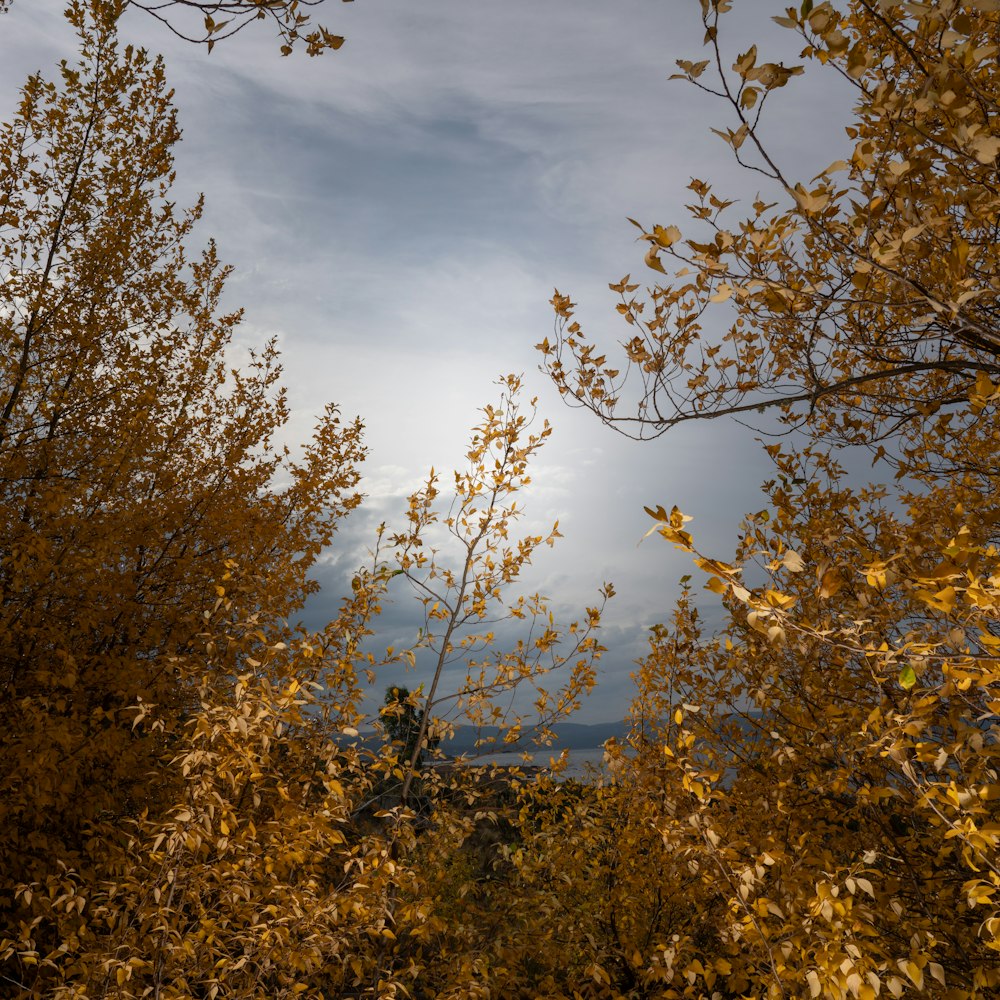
x=569 y=736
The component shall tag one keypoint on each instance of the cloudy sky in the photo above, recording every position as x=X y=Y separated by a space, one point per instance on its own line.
x=399 y=212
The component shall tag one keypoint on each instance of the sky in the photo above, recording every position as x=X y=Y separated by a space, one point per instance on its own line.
x=398 y=214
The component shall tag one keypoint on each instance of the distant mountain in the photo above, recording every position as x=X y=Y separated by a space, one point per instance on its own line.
x=569 y=736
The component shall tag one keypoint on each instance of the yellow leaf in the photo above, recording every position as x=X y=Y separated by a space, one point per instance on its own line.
x=776 y=634
x=680 y=538
x=985 y=148
x=666 y=236
x=778 y=600
x=792 y=561
x=943 y=600
x=815 y=986
x=913 y=971
x=830 y=582
x=652 y=260
x=810 y=202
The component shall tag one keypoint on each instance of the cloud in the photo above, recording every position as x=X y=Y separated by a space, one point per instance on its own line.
x=399 y=212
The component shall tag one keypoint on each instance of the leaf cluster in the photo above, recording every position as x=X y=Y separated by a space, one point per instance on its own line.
x=823 y=770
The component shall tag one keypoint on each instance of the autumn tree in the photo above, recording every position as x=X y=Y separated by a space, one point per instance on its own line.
x=184 y=810
x=829 y=758
x=138 y=472
x=864 y=307
x=491 y=658
x=272 y=863
x=468 y=599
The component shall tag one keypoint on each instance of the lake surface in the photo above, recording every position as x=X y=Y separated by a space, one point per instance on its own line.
x=581 y=765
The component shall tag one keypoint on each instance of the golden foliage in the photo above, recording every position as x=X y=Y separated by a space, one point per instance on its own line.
x=865 y=301
x=188 y=808
x=137 y=471
x=823 y=772
x=465 y=605
x=809 y=802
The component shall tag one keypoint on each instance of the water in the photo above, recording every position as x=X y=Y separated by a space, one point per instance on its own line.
x=581 y=764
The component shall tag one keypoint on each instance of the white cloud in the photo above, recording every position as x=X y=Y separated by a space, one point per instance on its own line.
x=399 y=212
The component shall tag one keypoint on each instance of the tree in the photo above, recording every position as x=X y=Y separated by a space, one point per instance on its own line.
x=403 y=722
x=468 y=602
x=138 y=473
x=864 y=307
x=829 y=757
x=491 y=657
x=211 y=21
x=250 y=874
x=270 y=863
x=183 y=811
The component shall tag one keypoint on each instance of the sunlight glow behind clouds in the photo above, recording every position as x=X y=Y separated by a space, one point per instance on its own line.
x=398 y=213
